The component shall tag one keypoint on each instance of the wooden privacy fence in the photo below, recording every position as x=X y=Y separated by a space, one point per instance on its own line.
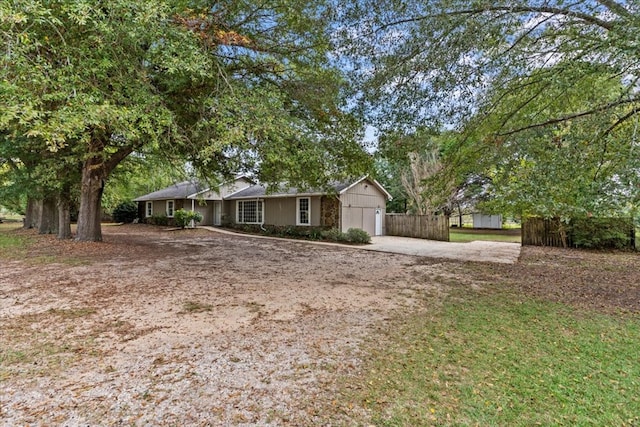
x=432 y=227
x=583 y=232
x=545 y=232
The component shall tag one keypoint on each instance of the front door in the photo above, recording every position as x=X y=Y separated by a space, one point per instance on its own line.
x=217 y=212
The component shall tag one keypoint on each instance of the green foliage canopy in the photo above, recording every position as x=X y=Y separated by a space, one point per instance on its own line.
x=229 y=86
x=544 y=94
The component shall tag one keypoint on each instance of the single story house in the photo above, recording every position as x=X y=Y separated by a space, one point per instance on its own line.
x=355 y=204
x=189 y=195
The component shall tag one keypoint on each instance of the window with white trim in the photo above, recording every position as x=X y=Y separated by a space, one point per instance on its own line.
x=149 y=209
x=170 y=208
x=249 y=212
x=303 y=211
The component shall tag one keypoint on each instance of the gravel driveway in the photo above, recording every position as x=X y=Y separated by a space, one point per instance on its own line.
x=190 y=327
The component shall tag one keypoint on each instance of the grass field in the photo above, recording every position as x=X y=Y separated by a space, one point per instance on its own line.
x=499 y=357
x=469 y=234
x=10 y=217
x=480 y=362
x=11 y=243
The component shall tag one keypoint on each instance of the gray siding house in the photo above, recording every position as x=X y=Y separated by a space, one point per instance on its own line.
x=190 y=195
x=357 y=204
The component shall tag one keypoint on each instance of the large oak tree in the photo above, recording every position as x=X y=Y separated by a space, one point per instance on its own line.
x=226 y=85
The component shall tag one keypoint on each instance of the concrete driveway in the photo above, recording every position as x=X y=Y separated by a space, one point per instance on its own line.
x=482 y=251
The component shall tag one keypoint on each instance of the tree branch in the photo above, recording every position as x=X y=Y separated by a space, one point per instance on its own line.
x=522 y=105
x=616 y=7
x=618 y=122
x=509 y=9
x=621 y=120
x=573 y=116
x=526 y=33
x=117 y=157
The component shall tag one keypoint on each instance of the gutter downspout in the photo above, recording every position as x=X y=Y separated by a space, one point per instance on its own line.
x=261 y=222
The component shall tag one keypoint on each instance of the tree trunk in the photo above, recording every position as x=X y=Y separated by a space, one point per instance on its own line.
x=64 y=214
x=90 y=212
x=48 y=223
x=95 y=171
x=33 y=213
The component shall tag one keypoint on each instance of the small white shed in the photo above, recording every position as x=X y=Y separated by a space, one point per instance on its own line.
x=487 y=221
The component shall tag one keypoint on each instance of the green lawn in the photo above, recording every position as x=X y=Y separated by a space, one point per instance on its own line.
x=11 y=243
x=469 y=235
x=496 y=356
x=16 y=243
x=491 y=361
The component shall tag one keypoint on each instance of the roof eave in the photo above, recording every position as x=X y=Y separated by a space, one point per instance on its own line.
x=373 y=181
x=275 y=196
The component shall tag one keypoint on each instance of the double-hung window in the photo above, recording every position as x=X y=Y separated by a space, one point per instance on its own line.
x=250 y=212
x=149 y=209
x=170 y=208
x=303 y=211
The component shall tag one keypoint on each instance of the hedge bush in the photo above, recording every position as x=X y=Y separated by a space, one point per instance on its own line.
x=125 y=212
x=158 y=220
x=335 y=235
x=600 y=233
x=353 y=235
x=357 y=235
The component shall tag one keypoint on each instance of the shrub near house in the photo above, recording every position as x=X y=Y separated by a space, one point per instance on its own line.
x=353 y=235
x=184 y=218
x=125 y=212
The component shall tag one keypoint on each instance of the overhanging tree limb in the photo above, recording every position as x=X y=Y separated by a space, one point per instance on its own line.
x=225 y=85
x=573 y=116
x=617 y=8
x=608 y=25
x=557 y=74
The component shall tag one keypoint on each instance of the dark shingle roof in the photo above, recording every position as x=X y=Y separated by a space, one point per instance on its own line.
x=180 y=190
x=256 y=191
x=185 y=189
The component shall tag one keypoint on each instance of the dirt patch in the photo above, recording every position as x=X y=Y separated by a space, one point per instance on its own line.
x=607 y=282
x=593 y=280
x=193 y=327
x=189 y=327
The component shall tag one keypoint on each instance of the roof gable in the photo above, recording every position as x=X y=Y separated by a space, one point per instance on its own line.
x=260 y=191
x=181 y=190
x=372 y=182
x=223 y=190
x=195 y=190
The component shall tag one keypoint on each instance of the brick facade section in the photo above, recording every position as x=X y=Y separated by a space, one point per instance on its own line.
x=330 y=211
